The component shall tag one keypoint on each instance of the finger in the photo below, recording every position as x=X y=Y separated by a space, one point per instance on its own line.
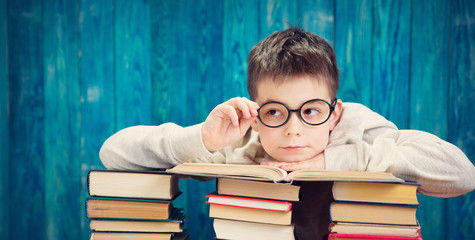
x=229 y=112
x=245 y=124
x=290 y=167
x=242 y=105
x=253 y=106
x=273 y=163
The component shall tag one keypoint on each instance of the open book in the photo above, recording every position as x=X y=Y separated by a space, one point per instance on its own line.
x=270 y=173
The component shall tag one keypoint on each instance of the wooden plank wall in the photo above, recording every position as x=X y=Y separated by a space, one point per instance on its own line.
x=74 y=72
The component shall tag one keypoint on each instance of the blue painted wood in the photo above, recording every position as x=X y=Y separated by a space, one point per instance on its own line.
x=428 y=106
x=461 y=210
x=196 y=59
x=96 y=77
x=4 y=127
x=168 y=62
x=170 y=68
x=61 y=91
x=25 y=62
x=391 y=48
x=353 y=28
x=318 y=16
x=204 y=92
x=240 y=34
x=132 y=63
x=274 y=13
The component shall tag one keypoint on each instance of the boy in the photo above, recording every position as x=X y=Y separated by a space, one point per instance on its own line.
x=294 y=121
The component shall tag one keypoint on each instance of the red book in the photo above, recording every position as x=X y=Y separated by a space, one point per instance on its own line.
x=250 y=209
x=341 y=236
x=252 y=203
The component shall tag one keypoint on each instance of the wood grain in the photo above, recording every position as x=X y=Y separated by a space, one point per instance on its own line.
x=240 y=34
x=461 y=210
x=72 y=73
x=27 y=170
x=168 y=62
x=61 y=107
x=428 y=86
x=273 y=15
x=318 y=16
x=132 y=63
x=391 y=56
x=96 y=78
x=4 y=127
x=353 y=50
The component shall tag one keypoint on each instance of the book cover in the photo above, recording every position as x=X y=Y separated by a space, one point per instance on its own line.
x=172 y=224
x=132 y=184
x=375 y=229
x=270 y=173
x=231 y=229
x=97 y=207
x=252 y=203
x=403 y=193
x=139 y=236
x=249 y=214
x=258 y=189
x=339 y=236
x=359 y=212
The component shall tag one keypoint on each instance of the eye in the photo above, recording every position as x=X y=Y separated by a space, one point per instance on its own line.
x=274 y=112
x=311 y=112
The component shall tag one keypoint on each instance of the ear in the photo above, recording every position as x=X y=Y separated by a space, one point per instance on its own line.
x=254 y=125
x=335 y=117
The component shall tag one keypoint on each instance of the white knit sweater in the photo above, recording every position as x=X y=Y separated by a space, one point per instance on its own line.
x=363 y=140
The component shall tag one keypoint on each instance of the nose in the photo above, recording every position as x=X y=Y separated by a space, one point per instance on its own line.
x=293 y=127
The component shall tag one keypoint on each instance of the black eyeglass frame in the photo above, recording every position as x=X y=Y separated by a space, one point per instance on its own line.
x=290 y=111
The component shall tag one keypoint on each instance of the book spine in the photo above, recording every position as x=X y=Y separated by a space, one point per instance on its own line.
x=333 y=236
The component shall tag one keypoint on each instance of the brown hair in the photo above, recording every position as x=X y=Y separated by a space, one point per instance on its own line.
x=289 y=53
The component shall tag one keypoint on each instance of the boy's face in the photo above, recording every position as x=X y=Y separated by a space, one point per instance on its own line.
x=295 y=140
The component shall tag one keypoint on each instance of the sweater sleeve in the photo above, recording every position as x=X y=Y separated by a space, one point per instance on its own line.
x=147 y=147
x=365 y=141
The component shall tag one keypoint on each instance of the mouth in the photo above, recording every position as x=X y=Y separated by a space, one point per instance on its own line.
x=293 y=148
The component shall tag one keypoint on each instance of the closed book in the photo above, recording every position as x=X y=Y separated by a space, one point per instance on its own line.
x=375 y=229
x=128 y=208
x=139 y=236
x=250 y=214
x=403 y=193
x=129 y=184
x=258 y=189
x=172 y=224
x=339 y=236
x=253 y=203
x=240 y=230
x=401 y=214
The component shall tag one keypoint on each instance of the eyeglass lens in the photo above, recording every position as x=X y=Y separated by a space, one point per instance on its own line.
x=314 y=112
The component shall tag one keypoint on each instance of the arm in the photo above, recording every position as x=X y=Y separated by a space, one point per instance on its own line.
x=167 y=145
x=145 y=147
x=365 y=141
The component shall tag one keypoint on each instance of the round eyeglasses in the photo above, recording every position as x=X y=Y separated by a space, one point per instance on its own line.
x=313 y=112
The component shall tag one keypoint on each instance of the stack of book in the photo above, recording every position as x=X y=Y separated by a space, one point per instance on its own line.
x=134 y=205
x=244 y=209
x=368 y=205
x=374 y=210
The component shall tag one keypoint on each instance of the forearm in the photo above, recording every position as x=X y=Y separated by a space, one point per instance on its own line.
x=442 y=169
x=147 y=147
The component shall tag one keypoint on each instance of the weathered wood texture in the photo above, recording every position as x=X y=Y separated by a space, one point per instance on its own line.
x=74 y=72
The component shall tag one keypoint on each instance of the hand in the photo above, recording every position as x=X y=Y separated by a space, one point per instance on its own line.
x=317 y=162
x=228 y=122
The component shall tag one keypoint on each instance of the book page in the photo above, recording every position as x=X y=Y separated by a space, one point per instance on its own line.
x=260 y=172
